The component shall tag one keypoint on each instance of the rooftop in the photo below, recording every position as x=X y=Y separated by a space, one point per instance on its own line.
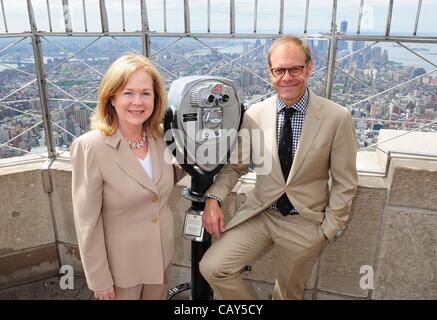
x=379 y=59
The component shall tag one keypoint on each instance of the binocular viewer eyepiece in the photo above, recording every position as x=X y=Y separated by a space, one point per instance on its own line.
x=206 y=113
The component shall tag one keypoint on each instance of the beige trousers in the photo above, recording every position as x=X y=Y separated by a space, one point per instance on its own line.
x=298 y=242
x=144 y=291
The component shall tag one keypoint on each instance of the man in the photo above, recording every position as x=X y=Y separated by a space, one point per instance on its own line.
x=305 y=199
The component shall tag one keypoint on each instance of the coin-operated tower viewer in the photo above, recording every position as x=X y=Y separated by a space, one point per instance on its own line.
x=201 y=126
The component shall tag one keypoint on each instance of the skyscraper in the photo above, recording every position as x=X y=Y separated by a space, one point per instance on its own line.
x=322 y=45
x=343 y=27
x=81 y=117
x=341 y=44
x=357 y=45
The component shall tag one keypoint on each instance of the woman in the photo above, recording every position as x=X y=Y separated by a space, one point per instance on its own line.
x=122 y=179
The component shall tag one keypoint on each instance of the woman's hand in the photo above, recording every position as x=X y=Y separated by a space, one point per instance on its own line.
x=108 y=294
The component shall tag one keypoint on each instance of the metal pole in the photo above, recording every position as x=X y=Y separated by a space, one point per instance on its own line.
x=164 y=11
x=305 y=25
x=332 y=53
x=104 y=17
x=84 y=16
x=4 y=16
x=232 y=17
x=187 y=17
x=123 y=18
x=389 y=15
x=145 y=29
x=42 y=85
x=209 y=16
x=255 y=15
x=200 y=289
x=360 y=17
x=416 y=24
x=67 y=16
x=49 y=16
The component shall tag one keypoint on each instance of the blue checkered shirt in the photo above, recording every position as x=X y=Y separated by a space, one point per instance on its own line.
x=297 y=120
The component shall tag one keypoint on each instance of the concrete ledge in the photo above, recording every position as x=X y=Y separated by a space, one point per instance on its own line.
x=342 y=259
x=178 y=206
x=63 y=206
x=28 y=265
x=394 y=235
x=321 y=295
x=407 y=262
x=25 y=215
x=414 y=185
x=403 y=141
x=69 y=255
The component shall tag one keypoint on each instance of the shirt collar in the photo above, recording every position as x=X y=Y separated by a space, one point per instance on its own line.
x=300 y=105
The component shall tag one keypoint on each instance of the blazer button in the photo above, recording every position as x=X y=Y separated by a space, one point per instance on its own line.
x=155 y=199
x=154 y=219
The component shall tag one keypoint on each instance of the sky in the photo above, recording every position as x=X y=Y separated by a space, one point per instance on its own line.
x=373 y=21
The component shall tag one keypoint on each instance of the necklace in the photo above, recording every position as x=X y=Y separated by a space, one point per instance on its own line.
x=139 y=144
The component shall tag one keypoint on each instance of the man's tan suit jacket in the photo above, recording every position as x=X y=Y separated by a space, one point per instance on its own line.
x=323 y=177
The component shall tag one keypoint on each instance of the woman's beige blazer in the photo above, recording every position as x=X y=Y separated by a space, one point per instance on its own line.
x=123 y=223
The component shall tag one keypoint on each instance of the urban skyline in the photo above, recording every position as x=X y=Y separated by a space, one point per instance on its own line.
x=372 y=70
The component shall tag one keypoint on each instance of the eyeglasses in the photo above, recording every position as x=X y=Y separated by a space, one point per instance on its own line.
x=293 y=71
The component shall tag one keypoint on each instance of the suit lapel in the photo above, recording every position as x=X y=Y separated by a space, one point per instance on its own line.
x=127 y=161
x=312 y=123
x=270 y=135
x=157 y=157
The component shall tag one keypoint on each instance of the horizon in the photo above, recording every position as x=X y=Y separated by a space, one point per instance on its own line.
x=319 y=16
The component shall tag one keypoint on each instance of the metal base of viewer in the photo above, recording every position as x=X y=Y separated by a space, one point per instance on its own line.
x=200 y=289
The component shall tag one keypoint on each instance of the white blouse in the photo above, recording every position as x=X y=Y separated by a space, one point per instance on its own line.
x=147 y=164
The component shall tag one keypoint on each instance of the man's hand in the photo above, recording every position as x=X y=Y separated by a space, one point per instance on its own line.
x=213 y=219
x=108 y=294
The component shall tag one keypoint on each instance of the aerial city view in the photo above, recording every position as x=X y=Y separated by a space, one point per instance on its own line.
x=365 y=73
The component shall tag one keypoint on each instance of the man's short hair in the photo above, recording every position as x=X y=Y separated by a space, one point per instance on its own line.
x=293 y=39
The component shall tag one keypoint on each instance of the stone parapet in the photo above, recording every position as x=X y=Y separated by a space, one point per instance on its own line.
x=407 y=261
x=413 y=183
x=391 y=233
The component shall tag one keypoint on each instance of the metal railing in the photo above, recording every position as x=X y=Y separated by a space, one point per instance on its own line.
x=148 y=34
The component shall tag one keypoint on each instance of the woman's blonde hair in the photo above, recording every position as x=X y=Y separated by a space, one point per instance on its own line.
x=105 y=119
